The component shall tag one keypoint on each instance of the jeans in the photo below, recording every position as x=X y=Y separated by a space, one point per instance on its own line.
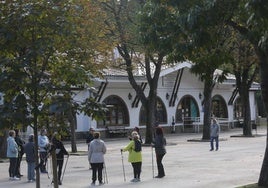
x=216 y=138
x=31 y=172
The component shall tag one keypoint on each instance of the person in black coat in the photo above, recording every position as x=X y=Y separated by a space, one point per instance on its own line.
x=60 y=152
x=160 y=150
x=20 y=144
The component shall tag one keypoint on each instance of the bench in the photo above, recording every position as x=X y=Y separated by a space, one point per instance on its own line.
x=116 y=130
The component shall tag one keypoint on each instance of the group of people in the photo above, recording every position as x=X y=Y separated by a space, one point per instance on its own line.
x=97 y=149
x=16 y=148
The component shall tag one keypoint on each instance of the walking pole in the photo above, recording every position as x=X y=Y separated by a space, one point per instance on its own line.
x=64 y=168
x=123 y=165
x=152 y=161
x=105 y=174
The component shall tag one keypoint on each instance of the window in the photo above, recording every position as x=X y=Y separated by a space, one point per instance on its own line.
x=187 y=107
x=219 y=108
x=117 y=113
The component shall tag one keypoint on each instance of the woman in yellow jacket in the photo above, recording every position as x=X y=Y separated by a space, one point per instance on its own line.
x=134 y=157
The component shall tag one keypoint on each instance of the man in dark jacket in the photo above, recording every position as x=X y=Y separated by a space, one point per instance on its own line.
x=29 y=152
x=60 y=152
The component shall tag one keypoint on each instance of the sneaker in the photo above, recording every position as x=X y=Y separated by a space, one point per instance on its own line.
x=101 y=183
x=159 y=176
x=133 y=180
x=211 y=149
x=16 y=178
x=138 y=180
x=93 y=184
x=30 y=181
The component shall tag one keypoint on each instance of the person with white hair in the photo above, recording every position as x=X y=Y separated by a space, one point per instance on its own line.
x=135 y=156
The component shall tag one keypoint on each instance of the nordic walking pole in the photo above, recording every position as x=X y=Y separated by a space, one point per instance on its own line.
x=64 y=168
x=152 y=161
x=105 y=174
x=123 y=165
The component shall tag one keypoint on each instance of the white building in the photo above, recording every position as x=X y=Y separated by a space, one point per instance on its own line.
x=179 y=99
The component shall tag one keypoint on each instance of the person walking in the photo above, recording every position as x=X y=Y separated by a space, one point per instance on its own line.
x=60 y=152
x=12 y=154
x=89 y=139
x=43 y=144
x=160 y=150
x=30 y=158
x=214 y=134
x=97 y=149
x=135 y=156
x=20 y=144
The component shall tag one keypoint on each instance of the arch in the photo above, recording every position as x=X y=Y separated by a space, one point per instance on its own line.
x=219 y=107
x=187 y=107
x=161 y=113
x=117 y=114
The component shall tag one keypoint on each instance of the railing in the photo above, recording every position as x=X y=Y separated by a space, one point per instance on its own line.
x=192 y=121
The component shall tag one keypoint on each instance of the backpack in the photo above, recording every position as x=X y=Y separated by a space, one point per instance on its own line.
x=137 y=147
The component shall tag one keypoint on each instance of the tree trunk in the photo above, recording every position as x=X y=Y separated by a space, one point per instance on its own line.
x=3 y=145
x=36 y=151
x=208 y=87
x=263 y=179
x=54 y=168
x=72 y=120
x=247 y=128
x=150 y=120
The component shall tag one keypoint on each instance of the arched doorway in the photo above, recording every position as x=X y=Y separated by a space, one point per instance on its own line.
x=117 y=114
x=161 y=113
x=187 y=109
x=219 y=107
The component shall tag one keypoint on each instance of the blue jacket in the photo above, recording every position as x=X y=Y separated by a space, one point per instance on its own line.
x=12 y=148
x=214 y=130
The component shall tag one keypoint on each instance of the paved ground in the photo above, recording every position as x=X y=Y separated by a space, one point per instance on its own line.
x=187 y=164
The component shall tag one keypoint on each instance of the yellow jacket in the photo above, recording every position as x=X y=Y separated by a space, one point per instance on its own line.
x=133 y=156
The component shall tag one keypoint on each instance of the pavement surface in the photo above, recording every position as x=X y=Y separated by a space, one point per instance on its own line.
x=187 y=164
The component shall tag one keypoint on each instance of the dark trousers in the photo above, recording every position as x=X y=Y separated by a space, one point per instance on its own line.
x=43 y=161
x=59 y=166
x=12 y=167
x=216 y=140
x=17 y=173
x=136 y=169
x=97 y=167
x=160 y=167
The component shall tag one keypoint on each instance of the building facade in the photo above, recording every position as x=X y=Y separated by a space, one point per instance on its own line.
x=179 y=106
